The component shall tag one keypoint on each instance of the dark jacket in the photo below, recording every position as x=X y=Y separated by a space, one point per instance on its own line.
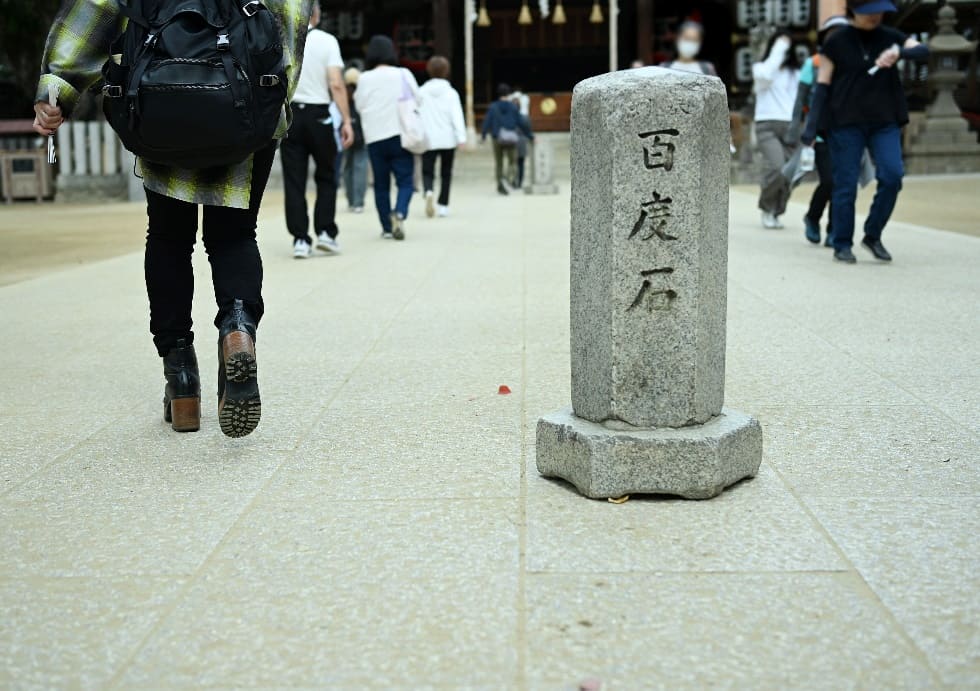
x=504 y=115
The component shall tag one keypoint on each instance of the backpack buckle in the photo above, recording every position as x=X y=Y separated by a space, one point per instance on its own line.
x=250 y=9
x=112 y=91
x=269 y=80
x=223 y=42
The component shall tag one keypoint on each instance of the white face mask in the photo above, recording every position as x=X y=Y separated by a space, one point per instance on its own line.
x=688 y=49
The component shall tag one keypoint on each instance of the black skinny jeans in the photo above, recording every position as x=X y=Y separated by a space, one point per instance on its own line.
x=229 y=239
x=445 y=158
x=825 y=188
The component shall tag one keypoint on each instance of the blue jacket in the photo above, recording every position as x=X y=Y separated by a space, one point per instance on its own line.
x=505 y=115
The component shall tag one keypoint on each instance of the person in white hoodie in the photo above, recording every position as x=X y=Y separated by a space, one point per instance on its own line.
x=442 y=115
x=777 y=79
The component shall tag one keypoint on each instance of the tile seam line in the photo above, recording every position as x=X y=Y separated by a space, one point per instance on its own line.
x=885 y=609
x=522 y=637
x=859 y=358
x=181 y=594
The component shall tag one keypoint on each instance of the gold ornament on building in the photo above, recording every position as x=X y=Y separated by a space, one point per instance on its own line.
x=524 y=18
x=559 y=17
x=596 y=16
x=549 y=106
x=483 y=17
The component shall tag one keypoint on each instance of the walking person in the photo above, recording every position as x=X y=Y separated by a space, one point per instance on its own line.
x=321 y=85
x=379 y=90
x=503 y=123
x=77 y=45
x=776 y=81
x=822 y=193
x=442 y=115
x=690 y=38
x=355 y=163
x=859 y=101
x=523 y=143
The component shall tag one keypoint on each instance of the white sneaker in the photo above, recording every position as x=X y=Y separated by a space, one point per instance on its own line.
x=327 y=244
x=442 y=211
x=397 y=226
x=386 y=235
x=770 y=221
x=301 y=249
x=358 y=209
x=430 y=204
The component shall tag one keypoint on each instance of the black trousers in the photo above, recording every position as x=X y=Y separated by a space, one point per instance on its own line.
x=445 y=158
x=311 y=134
x=825 y=188
x=229 y=239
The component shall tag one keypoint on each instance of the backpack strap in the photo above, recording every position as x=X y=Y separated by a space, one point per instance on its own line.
x=224 y=49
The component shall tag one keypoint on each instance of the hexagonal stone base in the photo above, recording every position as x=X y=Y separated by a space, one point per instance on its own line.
x=696 y=462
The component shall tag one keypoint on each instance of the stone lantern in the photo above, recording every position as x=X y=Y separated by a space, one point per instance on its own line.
x=944 y=143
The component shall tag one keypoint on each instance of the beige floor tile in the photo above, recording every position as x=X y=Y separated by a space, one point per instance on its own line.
x=870 y=451
x=75 y=633
x=920 y=556
x=138 y=499
x=756 y=525
x=767 y=631
x=372 y=594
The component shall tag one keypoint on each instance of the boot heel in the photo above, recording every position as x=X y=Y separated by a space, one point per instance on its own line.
x=185 y=414
x=238 y=352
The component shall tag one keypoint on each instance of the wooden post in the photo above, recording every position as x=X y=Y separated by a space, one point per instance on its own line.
x=443 y=42
x=644 y=31
x=831 y=8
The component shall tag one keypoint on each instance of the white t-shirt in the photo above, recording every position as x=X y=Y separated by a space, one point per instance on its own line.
x=376 y=97
x=322 y=51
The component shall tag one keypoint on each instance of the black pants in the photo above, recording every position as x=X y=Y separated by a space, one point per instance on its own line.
x=229 y=239
x=825 y=188
x=446 y=158
x=311 y=134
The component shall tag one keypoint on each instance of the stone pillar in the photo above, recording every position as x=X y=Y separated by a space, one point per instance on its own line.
x=649 y=260
x=542 y=167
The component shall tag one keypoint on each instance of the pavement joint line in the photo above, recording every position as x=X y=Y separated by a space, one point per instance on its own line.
x=868 y=592
x=182 y=593
x=858 y=357
x=522 y=638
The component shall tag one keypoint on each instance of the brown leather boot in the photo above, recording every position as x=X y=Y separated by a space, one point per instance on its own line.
x=239 y=405
x=182 y=395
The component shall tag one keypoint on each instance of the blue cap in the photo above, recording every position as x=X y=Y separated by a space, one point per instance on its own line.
x=874 y=7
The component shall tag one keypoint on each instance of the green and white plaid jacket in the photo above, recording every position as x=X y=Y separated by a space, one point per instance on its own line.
x=78 y=46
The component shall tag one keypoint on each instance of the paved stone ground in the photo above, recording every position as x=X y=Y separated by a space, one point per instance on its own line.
x=385 y=526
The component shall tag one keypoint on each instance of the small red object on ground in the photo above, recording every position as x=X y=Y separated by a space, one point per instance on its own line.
x=503 y=390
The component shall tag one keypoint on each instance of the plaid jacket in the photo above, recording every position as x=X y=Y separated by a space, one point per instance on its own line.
x=78 y=46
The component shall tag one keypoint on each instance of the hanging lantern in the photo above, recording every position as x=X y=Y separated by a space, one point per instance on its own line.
x=524 y=18
x=483 y=17
x=559 y=17
x=596 y=16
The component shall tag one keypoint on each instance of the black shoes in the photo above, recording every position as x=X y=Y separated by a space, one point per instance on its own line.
x=877 y=249
x=502 y=189
x=182 y=395
x=845 y=255
x=239 y=405
x=811 y=230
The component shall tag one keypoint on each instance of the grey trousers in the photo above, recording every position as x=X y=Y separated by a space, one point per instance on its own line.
x=771 y=136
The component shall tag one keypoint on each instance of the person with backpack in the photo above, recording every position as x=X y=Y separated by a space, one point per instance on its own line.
x=690 y=38
x=355 y=163
x=503 y=123
x=859 y=102
x=445 y=127
x=380 y=90
x=200 y=92
x=776 y=80
x=320 y=86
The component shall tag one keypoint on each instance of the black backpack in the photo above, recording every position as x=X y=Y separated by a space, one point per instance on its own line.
x=200 y=83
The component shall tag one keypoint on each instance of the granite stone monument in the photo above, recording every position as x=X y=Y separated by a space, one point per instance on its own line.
x=542 y=167
x=649 y=254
